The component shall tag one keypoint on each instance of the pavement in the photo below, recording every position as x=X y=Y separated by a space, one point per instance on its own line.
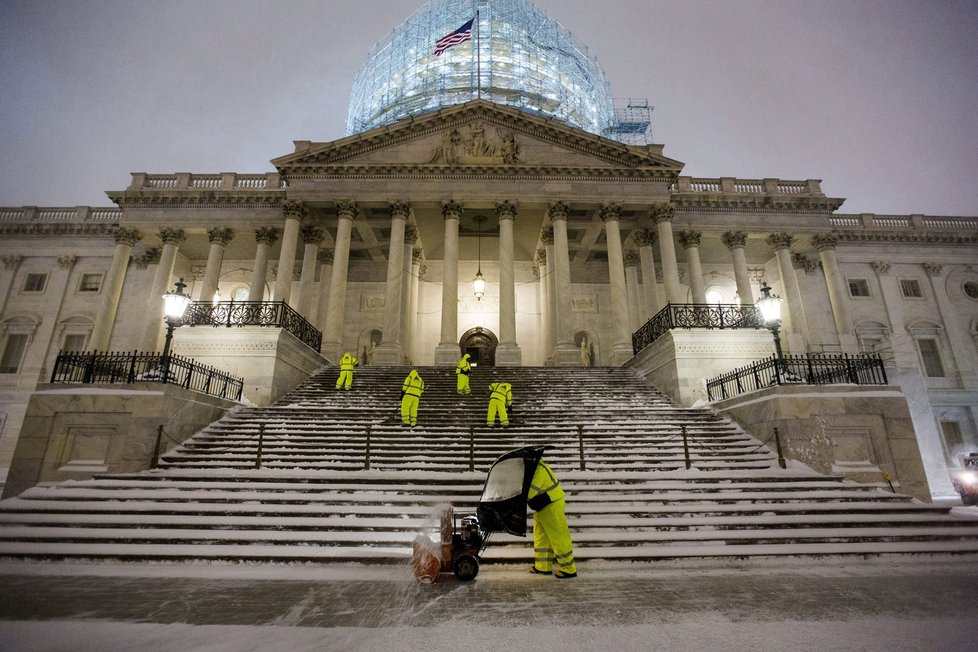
x=902 y=603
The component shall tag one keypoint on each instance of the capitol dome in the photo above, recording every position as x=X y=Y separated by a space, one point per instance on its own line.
x=527 y=60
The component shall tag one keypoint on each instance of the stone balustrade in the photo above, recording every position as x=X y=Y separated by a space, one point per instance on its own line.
x=808 y=187
x=223 y=181
x=903 y=222
x=73 y=214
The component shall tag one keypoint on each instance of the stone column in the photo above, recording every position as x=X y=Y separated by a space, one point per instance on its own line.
x=736 y=241
x=112 y=289
x=219 y=237
x=690 y=240
x=407 y=251
x=414 y=283
x=825 y=246
x=565 y=353
x=265 y=237
x=325 y=260
x=797 y=325
x=161 y=285
x=621 y=349
x=388 y=352
x=547 y=235
x=448 y=352
x=652 y=301
x=336 y=308
x=965 y=357
x=635 y=312
x=661 y=215
x=546 y=340
x=311 y=237
x=9 y=273
x=294 y=212
x=508 y=352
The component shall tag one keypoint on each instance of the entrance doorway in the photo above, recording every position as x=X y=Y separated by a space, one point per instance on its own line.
x=480 y=344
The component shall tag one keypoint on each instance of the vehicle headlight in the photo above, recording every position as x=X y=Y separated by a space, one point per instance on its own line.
x=969 y=478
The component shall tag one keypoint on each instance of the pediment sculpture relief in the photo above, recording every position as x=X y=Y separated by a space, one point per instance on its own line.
x=472 y=146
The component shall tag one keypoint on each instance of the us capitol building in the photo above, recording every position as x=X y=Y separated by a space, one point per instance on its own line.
x=506 y=160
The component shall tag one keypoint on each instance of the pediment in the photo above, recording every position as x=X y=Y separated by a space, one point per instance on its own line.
x=473 y=138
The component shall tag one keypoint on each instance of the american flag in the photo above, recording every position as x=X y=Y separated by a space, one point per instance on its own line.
x=461 y=35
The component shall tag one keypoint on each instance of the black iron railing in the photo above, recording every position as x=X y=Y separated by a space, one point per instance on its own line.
x=125 y=367
x=253 y=313
x=818 y=369
x=695 y=315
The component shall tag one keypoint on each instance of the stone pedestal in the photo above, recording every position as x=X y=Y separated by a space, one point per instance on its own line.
x=508 y=355
x=447 y=355
x=388 y=354
x=567 y=355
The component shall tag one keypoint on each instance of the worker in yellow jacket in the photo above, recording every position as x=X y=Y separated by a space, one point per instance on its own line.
x=462 y=371
x=411 y=392
x=552 y=547
x=347 y=363
x=500 y=397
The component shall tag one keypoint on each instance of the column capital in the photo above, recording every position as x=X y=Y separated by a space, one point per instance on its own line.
x=780 y=240
x=148 y=257
x=610 y=211
x=688 y=239
x=540 y=257
x=662 y=213
x=632 y=259
x=324 y=257
x=127 y=236
x=734 y=239
x=881 y=268
x=312 y=234
x=932 y=269
x=451 y=209
x=67 y=262
x=801 y=261
x=266 y=235
x=346 y=208
x=824 y=241
x=417 y=255
x=172 y=236
x=557 y=211
x=506 y=210
x=221 y=235
x=293 y=209
x=399 y=209
x=547 y=235
x=11 y=262
x=410 y=234
x=645 y=237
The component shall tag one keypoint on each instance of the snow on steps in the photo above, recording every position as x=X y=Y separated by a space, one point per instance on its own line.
x=313 y=501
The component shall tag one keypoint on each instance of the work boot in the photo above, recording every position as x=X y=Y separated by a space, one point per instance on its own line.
x=560 y=575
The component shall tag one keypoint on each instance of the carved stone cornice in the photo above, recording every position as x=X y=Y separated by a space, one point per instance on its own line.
x=645 y=237
x=780 y=241
x=824 y=241
x=756 y=203
x=220 y=235
x=293 y=209
x=506 y=210
x=172 y=236
x=124 y=236
x=631 y=259
x=688 y=239
x=734 y=239
x=311 y=235
x=610 y=211
x=11 y=262
x=69 y=230
x=662 y=213
x=324 y=257
x=451 y=209
x=266 y=235
x=881 y=268
x=197 y=198
x=67 y=262
x=558 y=210
x=547 y=235
x=400 y=209
x=857 y=237
x=346 y=208
x=932 y=269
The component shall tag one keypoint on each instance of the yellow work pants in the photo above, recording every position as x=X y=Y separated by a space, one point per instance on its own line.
x=494 y=407
x=462 y=386
x=345 y=380
x=409 y=410
x=551 y=540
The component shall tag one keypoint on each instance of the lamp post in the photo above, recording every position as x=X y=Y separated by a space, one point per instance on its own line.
x=479 y=282
x=175 y=304
x=770 y=307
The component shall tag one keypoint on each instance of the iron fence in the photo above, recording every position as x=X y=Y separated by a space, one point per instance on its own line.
x=253 y=313
x=817 y=369
x=695 y=315
x=125 y=367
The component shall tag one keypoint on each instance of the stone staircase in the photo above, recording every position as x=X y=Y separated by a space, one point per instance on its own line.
x=340 y=479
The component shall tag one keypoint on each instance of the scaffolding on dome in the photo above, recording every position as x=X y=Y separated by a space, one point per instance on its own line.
x=633 y=121
x=524 y=59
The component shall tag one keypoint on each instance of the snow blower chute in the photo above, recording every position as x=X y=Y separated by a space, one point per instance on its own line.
x=464 y=536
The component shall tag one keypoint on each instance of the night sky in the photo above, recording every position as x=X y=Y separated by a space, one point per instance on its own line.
x=878 y=98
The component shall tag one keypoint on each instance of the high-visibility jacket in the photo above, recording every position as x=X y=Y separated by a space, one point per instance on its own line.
x=463 y=367
x=502 y=392
x=544 y=487
x=347 y=362
x=413 y=384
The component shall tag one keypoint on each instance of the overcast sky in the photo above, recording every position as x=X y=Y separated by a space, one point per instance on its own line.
x=878 y=98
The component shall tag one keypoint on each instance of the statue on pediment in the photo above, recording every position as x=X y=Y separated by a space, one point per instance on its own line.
x=474 y=147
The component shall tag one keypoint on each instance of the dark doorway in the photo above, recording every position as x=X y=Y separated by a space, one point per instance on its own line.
x=480 y=344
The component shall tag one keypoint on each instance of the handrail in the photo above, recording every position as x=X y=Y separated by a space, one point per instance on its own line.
x=695 y=315
x=253 y=313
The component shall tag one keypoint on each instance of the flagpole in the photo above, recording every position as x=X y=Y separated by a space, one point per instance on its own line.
x=478 y=60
